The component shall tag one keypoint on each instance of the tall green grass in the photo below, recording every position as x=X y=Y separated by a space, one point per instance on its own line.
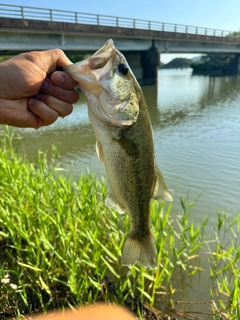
x=61 y=247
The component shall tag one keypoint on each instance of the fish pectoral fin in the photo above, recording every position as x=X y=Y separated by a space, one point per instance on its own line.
x=99 y=151
x=112 y=203
x=160 y=190
x=127 y=144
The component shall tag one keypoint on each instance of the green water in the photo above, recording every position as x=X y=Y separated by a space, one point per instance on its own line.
x=196 y=127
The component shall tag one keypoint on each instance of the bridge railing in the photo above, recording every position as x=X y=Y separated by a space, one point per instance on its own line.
x=31 y=13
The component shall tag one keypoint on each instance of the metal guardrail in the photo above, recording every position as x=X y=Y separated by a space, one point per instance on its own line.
x=22 y=12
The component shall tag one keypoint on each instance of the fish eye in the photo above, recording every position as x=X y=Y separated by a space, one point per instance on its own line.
x=123 y=68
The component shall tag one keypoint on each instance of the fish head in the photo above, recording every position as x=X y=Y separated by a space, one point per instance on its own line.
x=109 y=86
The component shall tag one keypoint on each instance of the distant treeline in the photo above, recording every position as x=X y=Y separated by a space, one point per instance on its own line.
x=177 y=63
x=3 y=58
x=77 y=57
x=211 y=64
x=216 y=64
x=73 y=57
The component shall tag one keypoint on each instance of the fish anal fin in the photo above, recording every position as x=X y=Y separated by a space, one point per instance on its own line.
x=160 y=190
x=112 y=203
x=139 y=251
x=99 y=151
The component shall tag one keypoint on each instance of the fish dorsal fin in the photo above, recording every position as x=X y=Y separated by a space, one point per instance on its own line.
x=112 y=203
x=160 y=191
x=99 y=151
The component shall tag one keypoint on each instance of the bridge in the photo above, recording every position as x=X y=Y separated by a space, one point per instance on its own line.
x=27 y=28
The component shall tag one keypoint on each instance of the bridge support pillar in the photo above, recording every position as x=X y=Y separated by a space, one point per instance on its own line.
x=144 y=65
x=134 y=61
x=238 y=64
x=150 y=61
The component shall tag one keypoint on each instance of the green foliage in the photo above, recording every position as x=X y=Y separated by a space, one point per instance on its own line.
x=215 y=64
x=3 y=58
x=235 y=34
x=224 y=267
x=177 y=63
x=73 y=57
x=60 y=246
x=77 y=57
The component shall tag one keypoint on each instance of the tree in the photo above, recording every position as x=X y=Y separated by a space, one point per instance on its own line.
x=215 y=64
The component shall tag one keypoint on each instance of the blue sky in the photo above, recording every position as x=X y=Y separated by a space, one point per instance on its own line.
x=217 y=14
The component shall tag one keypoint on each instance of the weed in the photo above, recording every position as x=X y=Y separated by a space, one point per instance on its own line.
x=61 y=247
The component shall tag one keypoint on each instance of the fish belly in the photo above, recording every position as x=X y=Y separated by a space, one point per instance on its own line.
x=131 y=180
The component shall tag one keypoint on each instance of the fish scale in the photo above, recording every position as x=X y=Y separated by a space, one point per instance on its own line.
x=121 y=123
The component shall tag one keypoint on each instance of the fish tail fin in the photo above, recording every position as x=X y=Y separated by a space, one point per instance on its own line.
x=142 y=251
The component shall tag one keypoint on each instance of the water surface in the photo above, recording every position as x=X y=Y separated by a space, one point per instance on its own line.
x=196 y=126
x=196 y=123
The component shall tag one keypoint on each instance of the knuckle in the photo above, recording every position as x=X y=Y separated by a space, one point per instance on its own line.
x=69 y=109
x=75 y=97
x=58 y=51
x=44 y=98
x=66 y=110
x=50 y=119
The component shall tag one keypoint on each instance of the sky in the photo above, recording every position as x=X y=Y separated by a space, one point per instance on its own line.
x=216 y=14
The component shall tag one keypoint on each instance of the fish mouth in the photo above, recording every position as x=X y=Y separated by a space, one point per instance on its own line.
x=89 y=70
x=100 y=58
x=109 y=45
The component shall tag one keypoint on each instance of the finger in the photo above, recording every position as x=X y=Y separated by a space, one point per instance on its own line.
x=61 y=107
x=57 y=59
x=63 y=80
x=70 y=96
x=46 y=115
x=93 y=312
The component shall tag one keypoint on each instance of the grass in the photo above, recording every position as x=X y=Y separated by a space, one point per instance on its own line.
x=60 y=246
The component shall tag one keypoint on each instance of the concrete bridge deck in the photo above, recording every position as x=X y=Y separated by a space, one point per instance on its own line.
x=25 y=29
x=17 y=35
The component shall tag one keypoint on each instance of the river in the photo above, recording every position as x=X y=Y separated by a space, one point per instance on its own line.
x=196 y=127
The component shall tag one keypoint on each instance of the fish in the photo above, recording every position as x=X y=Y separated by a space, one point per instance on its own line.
x=119 y=115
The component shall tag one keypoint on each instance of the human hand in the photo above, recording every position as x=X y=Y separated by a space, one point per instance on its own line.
x=92 y=312
x=32 y=93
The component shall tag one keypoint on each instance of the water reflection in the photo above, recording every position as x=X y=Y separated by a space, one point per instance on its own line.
x=180 y=95
x=196 y=134
x=196 y=127
x=151 y=95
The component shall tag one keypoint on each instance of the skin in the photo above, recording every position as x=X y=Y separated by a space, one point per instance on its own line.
x=94 y=312
x=32 y=92
x=29 y=97
x=125 y=144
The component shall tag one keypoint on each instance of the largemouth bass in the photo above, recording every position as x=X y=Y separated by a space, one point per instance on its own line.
x=121 y=123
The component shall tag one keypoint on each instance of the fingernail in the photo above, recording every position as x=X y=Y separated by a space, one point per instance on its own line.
x=31 y=102
x=45 y=84
x=59 y=78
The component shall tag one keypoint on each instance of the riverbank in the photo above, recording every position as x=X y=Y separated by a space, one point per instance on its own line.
x=208 y=65
x=61 y=247
x=216 y=65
